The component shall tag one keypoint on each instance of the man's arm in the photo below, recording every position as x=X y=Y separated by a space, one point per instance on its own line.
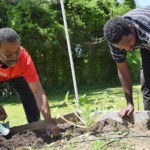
x=43 y=106
x=125 y=79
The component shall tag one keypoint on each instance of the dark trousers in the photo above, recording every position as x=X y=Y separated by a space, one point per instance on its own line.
x=27 y=98
x=145 y=77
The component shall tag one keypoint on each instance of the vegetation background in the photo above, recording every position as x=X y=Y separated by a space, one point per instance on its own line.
x=39 y=24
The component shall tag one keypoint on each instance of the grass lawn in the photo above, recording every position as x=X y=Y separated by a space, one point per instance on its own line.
x=17 y=117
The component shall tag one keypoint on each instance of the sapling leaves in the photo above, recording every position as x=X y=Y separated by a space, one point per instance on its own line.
x=88 y=113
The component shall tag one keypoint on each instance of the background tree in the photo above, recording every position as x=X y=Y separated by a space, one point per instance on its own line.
x=40 y=26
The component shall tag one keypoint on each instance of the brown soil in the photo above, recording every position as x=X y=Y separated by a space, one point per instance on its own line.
x=105 y=129
x=26 y=138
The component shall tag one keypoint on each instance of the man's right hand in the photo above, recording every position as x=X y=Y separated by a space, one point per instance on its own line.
x=3 y=114
x=126 y=112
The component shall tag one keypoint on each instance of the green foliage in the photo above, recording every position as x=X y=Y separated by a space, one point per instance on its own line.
x=95 y=145
x=86 y=115
x=40 y=26
x=129 y=3
x=134 y=64
x=89 y=115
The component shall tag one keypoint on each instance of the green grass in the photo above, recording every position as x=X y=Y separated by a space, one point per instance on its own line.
x=17 y=117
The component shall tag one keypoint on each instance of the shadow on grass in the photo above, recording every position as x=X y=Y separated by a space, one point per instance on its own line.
x=13 y=100
x=101 y=94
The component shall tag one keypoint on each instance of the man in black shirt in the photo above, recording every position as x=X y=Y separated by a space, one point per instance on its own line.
x=126 y=33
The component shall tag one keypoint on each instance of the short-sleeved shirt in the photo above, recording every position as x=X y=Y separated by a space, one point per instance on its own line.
x=140 y=17
x=24 y=68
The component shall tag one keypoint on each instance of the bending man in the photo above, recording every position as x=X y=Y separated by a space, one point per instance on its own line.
x=17 y=69
x=127 y=33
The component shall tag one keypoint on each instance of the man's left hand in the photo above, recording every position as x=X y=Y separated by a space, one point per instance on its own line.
x=52 y=129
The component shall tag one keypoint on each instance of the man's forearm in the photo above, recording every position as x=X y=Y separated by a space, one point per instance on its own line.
x=127 y=86
x=44 y=107
x=125 y=79
x=129 y=98
x=41 y=100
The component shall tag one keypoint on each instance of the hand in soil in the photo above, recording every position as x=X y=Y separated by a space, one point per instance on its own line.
x=52 y=129
x=126 y=112
x=3 y=114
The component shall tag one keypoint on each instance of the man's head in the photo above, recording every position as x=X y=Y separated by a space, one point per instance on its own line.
x=120 y=32
x=9 y=46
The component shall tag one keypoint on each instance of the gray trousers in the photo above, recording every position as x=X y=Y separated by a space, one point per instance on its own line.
x=145 y=77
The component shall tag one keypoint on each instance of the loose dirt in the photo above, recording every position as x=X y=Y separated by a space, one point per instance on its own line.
x=109 y=133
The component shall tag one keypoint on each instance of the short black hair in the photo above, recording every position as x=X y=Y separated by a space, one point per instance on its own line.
x=9 y=35
x=116 y=28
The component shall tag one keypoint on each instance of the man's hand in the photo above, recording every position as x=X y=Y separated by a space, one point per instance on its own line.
x=3 y=114
x=43 y=105
x=52 y=129
x=126 y=112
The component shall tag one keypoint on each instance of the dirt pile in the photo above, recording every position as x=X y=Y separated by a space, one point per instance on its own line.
x=103 y=129
x=26 y=138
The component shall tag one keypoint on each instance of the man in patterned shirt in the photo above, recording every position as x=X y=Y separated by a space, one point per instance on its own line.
x=17 y=69
x=127 y=33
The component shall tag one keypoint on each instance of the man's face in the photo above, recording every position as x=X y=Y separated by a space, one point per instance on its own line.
x=9 y=53
x=127 y=43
